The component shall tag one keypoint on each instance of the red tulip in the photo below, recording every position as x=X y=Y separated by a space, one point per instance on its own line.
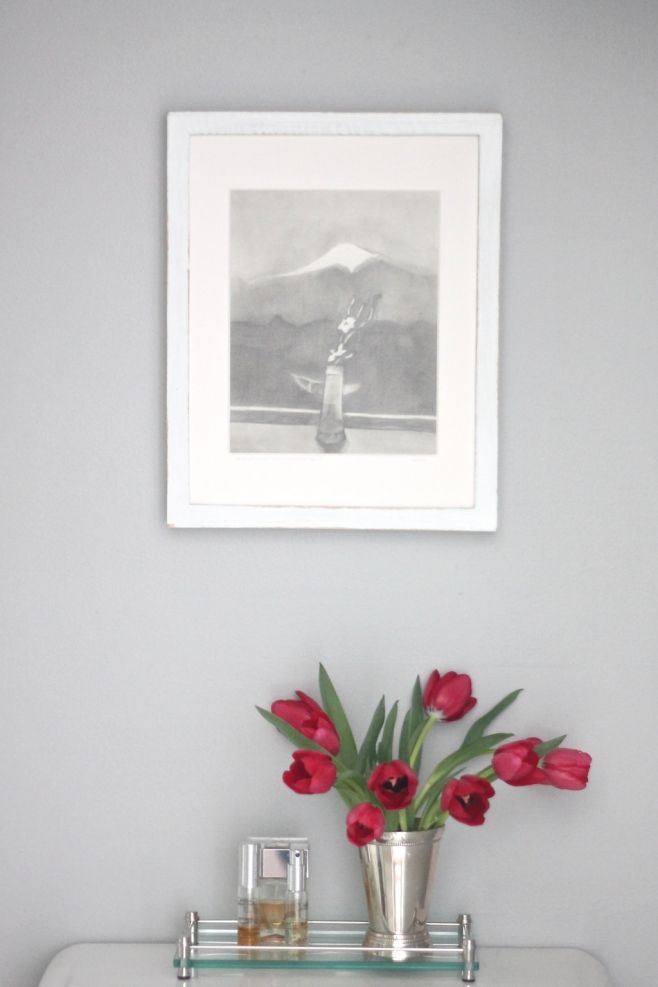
x=448 y=695
x=565 y=768
x=305 y=715
x=310 y=773
x=365 y=823
x=517 y=763
x=467 y=799
x=394 y=784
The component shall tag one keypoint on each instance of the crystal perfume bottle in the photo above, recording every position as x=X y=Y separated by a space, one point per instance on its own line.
x=272 y=895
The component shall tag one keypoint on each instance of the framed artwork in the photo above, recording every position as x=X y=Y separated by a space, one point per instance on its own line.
x=333 y=320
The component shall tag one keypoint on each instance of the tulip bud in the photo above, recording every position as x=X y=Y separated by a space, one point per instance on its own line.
x=448 y=695
x=365 y=823
x=306 y=716
x=565 y=768
x=517 y=763
x=310 y=773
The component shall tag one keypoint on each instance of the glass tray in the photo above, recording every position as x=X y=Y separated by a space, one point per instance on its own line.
x=212 y=945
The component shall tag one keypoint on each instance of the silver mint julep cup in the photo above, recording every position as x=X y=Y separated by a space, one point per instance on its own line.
x=397 y=872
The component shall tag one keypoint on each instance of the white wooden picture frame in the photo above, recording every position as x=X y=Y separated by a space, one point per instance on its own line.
x=333 y=320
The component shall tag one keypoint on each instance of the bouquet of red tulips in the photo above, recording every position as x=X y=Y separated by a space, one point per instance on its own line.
x=384 y=793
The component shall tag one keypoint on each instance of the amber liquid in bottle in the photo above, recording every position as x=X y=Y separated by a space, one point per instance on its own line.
x=248 y=935
x=272 y=919
x=248 y=927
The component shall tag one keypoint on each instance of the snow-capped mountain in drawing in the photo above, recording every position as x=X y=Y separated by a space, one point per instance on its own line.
x=347 y=256
x=321 y=289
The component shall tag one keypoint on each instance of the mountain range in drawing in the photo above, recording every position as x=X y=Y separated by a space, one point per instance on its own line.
x=284 y=324
x=321 y=289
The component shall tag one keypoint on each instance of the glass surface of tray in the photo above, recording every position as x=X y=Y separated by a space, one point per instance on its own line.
x=332 y=945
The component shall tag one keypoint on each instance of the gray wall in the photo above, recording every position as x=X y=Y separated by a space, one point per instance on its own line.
x=132 y=760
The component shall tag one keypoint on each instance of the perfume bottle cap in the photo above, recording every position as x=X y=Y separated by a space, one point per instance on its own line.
x=297 y=870
x=274 y=855
x=249 y=854
x=274 y=862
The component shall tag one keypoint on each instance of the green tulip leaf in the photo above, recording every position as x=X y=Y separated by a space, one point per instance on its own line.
x=417 y=710
x=334 y=710
x=366 y=757
x=413 y=739
x=385 y=750
x=478 y=728
x=454 y=763
x=549 y=745
x=434 y=819
x=418 y=719
x=404 y=747
x=349 y=797
x=297 y=738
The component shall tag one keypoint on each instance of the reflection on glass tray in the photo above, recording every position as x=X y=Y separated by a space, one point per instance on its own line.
x=208 y=944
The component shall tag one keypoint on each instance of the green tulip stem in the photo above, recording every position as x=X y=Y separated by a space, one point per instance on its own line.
x=442 y=772
x=350 y=783
x=346 y=797
x=488 y=773
x=427 y=787
x=340 y=765
x=432 y=818
x=353 y=783
x=404 y=821
x=426 y=818
x=433 y=718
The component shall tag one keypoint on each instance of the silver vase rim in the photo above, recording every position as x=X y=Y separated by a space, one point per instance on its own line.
x=408 y=838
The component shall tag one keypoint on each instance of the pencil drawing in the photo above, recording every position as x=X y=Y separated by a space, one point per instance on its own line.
x=333 y=321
